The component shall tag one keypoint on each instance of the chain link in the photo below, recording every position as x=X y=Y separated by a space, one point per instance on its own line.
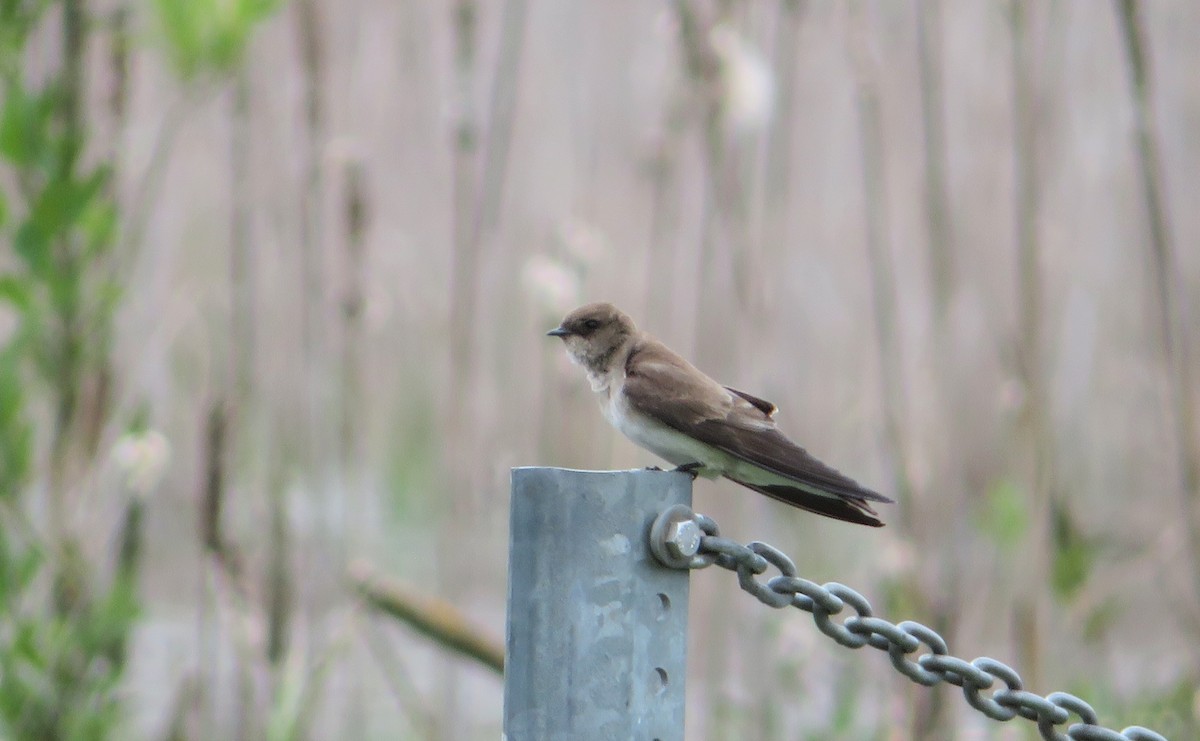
x=901 y=641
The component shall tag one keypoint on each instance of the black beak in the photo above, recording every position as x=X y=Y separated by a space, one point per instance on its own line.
x=558 y=332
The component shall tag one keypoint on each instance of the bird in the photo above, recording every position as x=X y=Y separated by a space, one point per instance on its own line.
x=666 y=405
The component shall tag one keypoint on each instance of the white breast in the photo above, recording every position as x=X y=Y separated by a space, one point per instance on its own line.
x=663 y=441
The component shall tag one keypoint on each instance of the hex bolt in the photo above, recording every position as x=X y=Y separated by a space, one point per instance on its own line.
x=683 y=539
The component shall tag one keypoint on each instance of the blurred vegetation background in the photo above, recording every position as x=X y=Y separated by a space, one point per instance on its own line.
x=273 y=290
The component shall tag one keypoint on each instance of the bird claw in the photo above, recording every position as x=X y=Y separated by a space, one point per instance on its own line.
x=692 y=469
x=652 y=468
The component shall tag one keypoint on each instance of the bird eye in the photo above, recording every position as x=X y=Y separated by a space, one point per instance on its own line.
x=591 y=325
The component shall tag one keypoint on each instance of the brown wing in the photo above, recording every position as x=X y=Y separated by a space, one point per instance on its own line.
x=848 y=509
x=662 y=385
x=762 y=405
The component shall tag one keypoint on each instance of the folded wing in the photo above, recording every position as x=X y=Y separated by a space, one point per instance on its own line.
x=665 y=387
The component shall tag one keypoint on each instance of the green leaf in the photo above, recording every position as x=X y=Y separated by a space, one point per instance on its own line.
x=110 y=619
x=210 y=36
x=98 y=222
x=60 y=206
x=16 y=433
x=66 y=296
x=24 y=124
x=1097 y=623
x=17 y=19
x=33 y=246
x=1006 y=519
x=179 y=22
x=1074 y=554
x=18 y=569
x=63 y=209
x=14 y=290
x=27 y=646
x=287 y=707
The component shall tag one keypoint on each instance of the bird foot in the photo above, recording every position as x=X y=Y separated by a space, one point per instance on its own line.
x=692 y=469
x=652 y=468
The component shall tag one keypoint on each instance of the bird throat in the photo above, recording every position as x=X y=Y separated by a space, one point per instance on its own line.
x=599 y=368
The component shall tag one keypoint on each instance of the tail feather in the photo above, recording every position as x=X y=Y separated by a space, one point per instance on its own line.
x=840 y=507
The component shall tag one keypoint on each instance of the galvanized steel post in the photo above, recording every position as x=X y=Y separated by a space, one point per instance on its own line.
x=597 y=629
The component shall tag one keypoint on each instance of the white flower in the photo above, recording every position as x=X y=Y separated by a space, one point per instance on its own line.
x=582 y=243
x=554 y=286
x=142 y=457
x=747 y=82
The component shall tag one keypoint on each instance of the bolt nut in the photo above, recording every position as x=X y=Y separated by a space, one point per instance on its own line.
x=683 y=539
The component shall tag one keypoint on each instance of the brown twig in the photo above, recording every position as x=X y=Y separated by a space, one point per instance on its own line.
x=1173 y=340
x=280 y=590
x=312 y=55
x=221 y=440
x=69 y=339
x=883 y=283
x=501 y=111
x=937 y=200
x=356 y=214
x=212 y=500
x=118 y=59
x=464 y=284
x=241 y=260
x=1033 y=428
x=928 y=719
x=478 y=181
x=128 y=560
x=726 y=210
x=183 y=710
x=466 y=145
x=930 y=712
x=431 y=616
x=700 y=106
x=777 y=168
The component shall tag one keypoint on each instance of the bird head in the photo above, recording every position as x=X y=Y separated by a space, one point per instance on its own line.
x=592 y=333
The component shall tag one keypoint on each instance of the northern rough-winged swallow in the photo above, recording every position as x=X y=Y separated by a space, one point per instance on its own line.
x=664 y=404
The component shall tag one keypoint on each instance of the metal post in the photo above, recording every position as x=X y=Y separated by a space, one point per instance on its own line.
x=597 y=628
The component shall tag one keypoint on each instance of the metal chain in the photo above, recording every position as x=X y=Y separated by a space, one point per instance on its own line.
x=673 y=540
